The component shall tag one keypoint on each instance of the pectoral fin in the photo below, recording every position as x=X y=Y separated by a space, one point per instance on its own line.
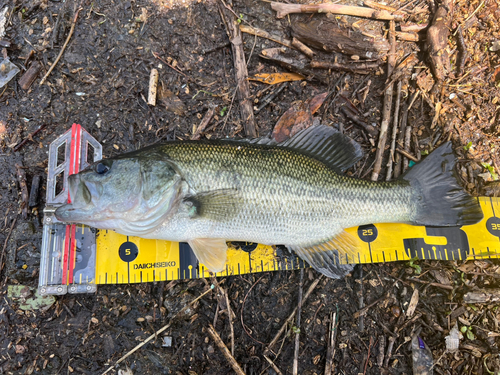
x=219 y=205
x=211 y=252
x=331 y=257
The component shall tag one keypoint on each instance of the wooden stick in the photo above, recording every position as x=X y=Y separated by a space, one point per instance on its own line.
x=295 y=368
x=355 y=67
x=63 y=47
x=285 y=9
x=271 y=363
x=394 y=132
x=203 y=124
x=264 y=34
x=215 y=336
x=5 y=244
x=153 y=84
x=240 y=67
x=330 y=351
x=154 y=335
x=302 y=48
x=290 y=318
x=386 y=113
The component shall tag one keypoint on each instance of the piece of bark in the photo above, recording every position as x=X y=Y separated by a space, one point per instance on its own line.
x=153 y=84
x=293 y=61
x=483 y=296
x=283 y=10
x=21 y=179
x=240 y=67
x=437 y=39
x=328 y=36
x=358 y=67
x=35 y=190
x=30 y=75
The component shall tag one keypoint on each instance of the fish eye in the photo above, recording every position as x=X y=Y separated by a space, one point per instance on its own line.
x=101 y=168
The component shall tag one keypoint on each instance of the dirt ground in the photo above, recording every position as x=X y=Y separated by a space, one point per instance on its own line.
x=102 y=82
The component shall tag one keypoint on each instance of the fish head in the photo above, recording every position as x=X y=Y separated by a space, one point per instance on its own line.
x=118 y=192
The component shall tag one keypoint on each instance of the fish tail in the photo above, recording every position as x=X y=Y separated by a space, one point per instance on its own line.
x=440 y=200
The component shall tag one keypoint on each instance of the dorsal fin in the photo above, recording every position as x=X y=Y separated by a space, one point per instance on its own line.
x=327 y=145
x=323 y=143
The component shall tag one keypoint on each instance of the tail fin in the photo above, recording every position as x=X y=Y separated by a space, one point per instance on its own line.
x=441 y=201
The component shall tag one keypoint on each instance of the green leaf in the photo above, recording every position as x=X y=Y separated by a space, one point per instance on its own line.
x=468 y=146
x=470 y=335
x=223 y=111
x=491 y=170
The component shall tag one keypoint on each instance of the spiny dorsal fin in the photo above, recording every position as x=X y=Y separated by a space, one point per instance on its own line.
x=331 y=257
x=323 y=143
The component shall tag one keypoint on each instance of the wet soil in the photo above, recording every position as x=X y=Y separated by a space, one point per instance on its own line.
x=102 y=81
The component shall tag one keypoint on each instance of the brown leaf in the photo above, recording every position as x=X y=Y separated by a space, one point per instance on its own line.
x=316 y=102
x=298 y=117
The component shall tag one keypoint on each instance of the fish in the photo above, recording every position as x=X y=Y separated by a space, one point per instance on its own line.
x=294 y=193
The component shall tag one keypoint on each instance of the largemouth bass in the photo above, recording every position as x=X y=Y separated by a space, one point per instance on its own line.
x=294 y=194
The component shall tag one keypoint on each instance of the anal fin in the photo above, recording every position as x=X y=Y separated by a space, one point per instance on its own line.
x=332 y=258
x=211 y=252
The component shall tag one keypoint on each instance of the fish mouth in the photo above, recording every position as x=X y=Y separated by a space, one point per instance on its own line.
x=81 y=208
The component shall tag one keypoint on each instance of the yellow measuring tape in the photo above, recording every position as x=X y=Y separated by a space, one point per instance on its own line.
x=122 y=259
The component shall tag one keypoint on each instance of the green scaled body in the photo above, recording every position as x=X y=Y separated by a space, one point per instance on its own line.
x=294 y=194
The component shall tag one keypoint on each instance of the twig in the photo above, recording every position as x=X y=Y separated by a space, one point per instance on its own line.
x=330 y=351
x=270 y=97
x=63 y=47
x=368 y=356
x=354 y=67
x=462 y=51
x=285 y=9
x=230 y=316
x=203 y=124
x=264 y=34
x=21 y=178
x=394 y=132
x=271 y=363
x=154 y=335
x=289 y=319
x=437 y=285
x=243 y=309
x=361 y=300
x=240 y=67
x=295 y=367
x=169 y=65
x=28 y=138
x=371 y=130
x=407 y=154
x=5 y=243
x=215 y=336
x=407 y=145
x=386 y=113
x=302 y=48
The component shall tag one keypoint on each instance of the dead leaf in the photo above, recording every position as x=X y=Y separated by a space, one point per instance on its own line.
x=274 y=78
x=316 y=102
x=298 y=117
x=171 y=102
